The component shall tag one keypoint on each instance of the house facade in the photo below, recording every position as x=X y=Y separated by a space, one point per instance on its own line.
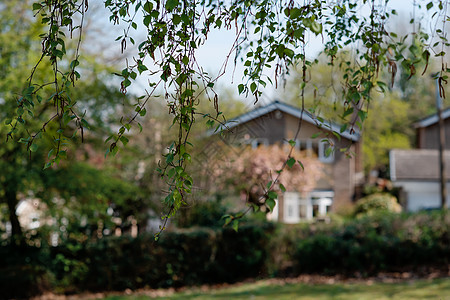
x=427 y=131
x=416 y=171
x=277 y=123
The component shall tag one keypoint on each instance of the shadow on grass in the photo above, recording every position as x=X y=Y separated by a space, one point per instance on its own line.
x=421 y=289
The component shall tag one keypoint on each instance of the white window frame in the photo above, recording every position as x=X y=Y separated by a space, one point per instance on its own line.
x=323 y=199
x=291 y=204
x=321 y=147
x=309 y=148
x=309 y=210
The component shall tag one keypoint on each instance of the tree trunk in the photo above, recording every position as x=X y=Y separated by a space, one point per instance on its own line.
x=11 y=200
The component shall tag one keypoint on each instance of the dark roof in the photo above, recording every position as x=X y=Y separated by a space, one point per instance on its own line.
x=433 y=119
x=293 y=111
x=417 y=164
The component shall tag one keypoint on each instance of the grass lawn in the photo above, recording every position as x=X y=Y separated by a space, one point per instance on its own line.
x=418 y=289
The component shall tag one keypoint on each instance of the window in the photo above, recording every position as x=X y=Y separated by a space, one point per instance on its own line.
x=321 y=201
x=326 y=151
x=259 y=142
x=291 y=207
x=315 y=210
x=303 y=211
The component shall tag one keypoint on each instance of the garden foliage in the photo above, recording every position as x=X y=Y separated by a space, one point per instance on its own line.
x=377 y=203
x=198 y=255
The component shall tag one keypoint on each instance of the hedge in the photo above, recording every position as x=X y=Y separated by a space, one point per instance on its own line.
x=388 y=242
x=384 y=242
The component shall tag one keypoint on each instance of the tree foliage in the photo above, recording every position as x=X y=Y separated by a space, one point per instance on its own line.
x=247 y=171
x=22 y=157
x=269 y=34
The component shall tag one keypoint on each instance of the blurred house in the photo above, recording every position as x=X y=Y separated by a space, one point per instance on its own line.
x=277 y=123
x=416 y=171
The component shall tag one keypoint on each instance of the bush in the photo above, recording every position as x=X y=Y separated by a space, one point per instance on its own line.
x=366 y=245
x=184 y=257
x=377 y=203
x=203 y=214
x=377 y=243
x=23 y=272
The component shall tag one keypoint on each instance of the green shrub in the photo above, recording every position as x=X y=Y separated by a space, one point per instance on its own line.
x=377 y=203
x=203 y=214
x=376 y=243
x=184 y=257
x=365 y=245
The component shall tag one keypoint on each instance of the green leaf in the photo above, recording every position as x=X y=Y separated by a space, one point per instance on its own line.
x=176 y=19
x=315 y=135
x=290 y=162
x=85 y=124
x=429 y=5
x=289 y=52
x=142 y=112
x=124 y=140
x=362 y=115
x=36 y=6
x=316 y=27
x=240 y=88
x=301 y=165
x=62 y=154
x=147 y=20
x=253 y=87
x=24 y=140
x=270 y=204
x=74 y=64
x=292 y=143
x=272 y=195
x=171 y=172
x=148 y=6
x=169 y=158
x=20 y=111
x=348 y=111
x=295 y=13
x=282 y=188
x=33 y=147
x=382 y=86
x=187 y=157
x=235 y=225
x=228 y=219
x=142 y=68
x=171 y=4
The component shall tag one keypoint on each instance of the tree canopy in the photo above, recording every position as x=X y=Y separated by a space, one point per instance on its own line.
x=22 y=158
x=269 y=35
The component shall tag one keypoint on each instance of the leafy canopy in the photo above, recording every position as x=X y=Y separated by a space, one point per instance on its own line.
x=270 y=34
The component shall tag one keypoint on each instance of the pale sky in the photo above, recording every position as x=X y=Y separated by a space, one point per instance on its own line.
x=212 y=55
